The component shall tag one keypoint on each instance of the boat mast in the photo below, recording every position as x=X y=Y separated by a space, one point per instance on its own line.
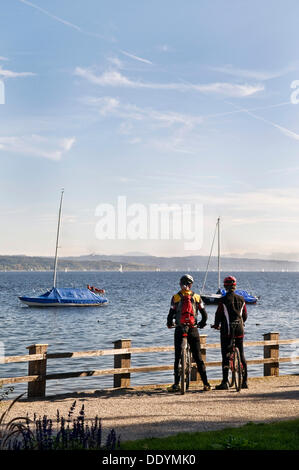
x=57 y=239
x=211 y=251
x=218 y=224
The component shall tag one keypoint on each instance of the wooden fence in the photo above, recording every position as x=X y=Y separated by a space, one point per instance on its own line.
x=38 y=357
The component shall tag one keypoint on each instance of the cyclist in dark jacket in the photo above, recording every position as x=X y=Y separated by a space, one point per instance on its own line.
x=231 y=308
x=175 y=313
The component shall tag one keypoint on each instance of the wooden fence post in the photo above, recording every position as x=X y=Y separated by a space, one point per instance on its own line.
x=120 y=361
x=194 y=372
x=37 y=388
x=273 y=353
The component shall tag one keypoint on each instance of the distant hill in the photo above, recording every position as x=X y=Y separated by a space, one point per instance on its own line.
x=199 y=263
x=38 y=263
x=142 y=263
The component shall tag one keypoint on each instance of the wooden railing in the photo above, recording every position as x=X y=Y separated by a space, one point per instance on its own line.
x=38 y=357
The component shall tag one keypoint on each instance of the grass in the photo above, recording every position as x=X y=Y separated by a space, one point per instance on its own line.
x=283 y=435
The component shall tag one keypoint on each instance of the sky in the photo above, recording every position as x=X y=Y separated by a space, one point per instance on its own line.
x=190 y=106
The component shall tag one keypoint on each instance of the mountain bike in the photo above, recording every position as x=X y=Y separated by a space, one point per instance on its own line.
x=235 y=368
x=185 y=362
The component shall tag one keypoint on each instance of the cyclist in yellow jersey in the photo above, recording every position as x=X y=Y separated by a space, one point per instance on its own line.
x=177 y=312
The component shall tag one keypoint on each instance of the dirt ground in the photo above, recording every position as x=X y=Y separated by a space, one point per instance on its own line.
x=152 y=411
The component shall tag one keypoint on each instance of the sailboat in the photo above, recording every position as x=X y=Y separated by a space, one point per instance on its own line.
x=214 y=298
x=66 y=296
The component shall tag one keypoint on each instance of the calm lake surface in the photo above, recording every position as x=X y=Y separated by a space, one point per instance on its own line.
x=138 y=307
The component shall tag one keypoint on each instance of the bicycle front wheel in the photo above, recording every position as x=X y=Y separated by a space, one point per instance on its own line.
x=188 y=367
x=183 y=366
x=237 y=370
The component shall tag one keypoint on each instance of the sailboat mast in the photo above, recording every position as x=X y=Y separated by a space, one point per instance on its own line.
x=211 y=251
x=57 y=239
x=218 y=223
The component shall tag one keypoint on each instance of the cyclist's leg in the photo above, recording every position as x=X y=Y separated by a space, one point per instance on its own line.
x=194 y=341
x=225 y=342
x=239 y=344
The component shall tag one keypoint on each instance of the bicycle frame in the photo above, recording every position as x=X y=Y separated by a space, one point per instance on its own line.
x=235 y=366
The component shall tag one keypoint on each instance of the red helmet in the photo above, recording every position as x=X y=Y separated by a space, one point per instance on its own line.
x=230 y=281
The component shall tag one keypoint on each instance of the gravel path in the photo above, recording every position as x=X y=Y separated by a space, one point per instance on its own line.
x=152 y=411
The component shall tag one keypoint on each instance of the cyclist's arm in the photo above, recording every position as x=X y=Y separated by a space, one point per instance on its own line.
x=203 y=312
x=218 y=315
x=171 y=314
x=244 y=313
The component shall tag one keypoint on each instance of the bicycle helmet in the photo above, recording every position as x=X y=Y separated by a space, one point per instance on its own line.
x=230 y=282
x=186 y=279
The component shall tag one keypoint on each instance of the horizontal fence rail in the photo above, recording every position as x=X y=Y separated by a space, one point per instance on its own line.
x=38 y=357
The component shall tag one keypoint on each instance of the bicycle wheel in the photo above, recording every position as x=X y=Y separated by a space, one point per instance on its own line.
x=237 y=370
x=183 y=366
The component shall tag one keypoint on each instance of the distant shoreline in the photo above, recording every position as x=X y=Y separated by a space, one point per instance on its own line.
x=143 y=271
x=142 y=263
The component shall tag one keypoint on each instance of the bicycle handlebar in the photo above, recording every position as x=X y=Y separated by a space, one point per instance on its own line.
x=184 y=324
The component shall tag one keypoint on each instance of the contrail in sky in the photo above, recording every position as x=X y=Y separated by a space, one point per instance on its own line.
x=61 y=20
x=77 y=28
x=140 y=59
x=54 y=17
x=282 y=129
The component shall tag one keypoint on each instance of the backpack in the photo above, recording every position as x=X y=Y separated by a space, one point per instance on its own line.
x=187 y=310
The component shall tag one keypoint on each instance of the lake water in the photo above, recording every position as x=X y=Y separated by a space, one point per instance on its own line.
x=138 y=307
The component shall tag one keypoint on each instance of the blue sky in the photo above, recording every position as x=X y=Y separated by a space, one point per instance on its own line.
x=161 y=102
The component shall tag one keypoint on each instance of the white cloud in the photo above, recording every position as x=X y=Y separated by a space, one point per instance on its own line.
x=251 y=202
x=143 y=124
x=37 y=146
x=112 y=106
x=105 y=105
x=164 y=48
x=67 y=143
x=252 y=74
x=10 y=74
x=114 y=78
x=230 y=89
x=115 y=61
x=286 y=170
x=3 y=58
